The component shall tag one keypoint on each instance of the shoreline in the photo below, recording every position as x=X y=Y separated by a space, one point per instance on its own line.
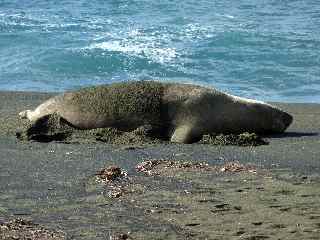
x=52 y=184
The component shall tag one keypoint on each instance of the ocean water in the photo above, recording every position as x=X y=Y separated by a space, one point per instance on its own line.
x=263 y=49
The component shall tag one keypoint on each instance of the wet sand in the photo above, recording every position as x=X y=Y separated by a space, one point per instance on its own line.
x=54 y=184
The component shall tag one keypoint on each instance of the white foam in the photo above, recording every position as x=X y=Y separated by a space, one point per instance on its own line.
x=149 y=50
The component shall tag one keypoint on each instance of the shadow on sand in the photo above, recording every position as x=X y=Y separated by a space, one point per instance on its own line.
x=293 y=135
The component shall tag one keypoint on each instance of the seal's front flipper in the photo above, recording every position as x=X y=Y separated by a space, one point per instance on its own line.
x=183 y=134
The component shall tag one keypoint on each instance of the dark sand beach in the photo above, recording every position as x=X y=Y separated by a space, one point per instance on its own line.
x=273 y=194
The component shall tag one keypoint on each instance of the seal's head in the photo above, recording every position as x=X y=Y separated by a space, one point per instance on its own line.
x=270 y=118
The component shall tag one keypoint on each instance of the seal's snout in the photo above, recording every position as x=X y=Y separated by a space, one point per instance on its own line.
x=281 y=121
x=287 y=119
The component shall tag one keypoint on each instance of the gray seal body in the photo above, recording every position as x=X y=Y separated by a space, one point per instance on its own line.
x=181 y=112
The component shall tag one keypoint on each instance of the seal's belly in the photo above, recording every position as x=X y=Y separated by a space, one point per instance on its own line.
x=86 y=120
x=89 y=120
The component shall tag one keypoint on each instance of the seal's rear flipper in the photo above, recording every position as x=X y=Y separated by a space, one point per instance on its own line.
x=48 y=128
x=24 y=114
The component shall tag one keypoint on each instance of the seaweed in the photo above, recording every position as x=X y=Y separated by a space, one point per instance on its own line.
x=111 y=173
x=243 y=139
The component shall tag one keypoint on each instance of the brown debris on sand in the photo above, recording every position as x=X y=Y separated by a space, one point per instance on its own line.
x=236 y=167
x=111 y=173
x=158 y=166
x=117 y=183
x=112 y=177
x=26 y=230
x=149 y=166
x=243 y=139
x=120 y=236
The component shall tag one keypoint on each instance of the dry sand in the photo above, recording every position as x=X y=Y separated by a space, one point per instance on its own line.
x=54 y=185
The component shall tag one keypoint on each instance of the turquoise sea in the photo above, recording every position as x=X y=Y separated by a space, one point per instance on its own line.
x=263 y=49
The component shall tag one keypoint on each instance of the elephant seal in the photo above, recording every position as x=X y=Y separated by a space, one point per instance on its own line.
x=180 y=112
